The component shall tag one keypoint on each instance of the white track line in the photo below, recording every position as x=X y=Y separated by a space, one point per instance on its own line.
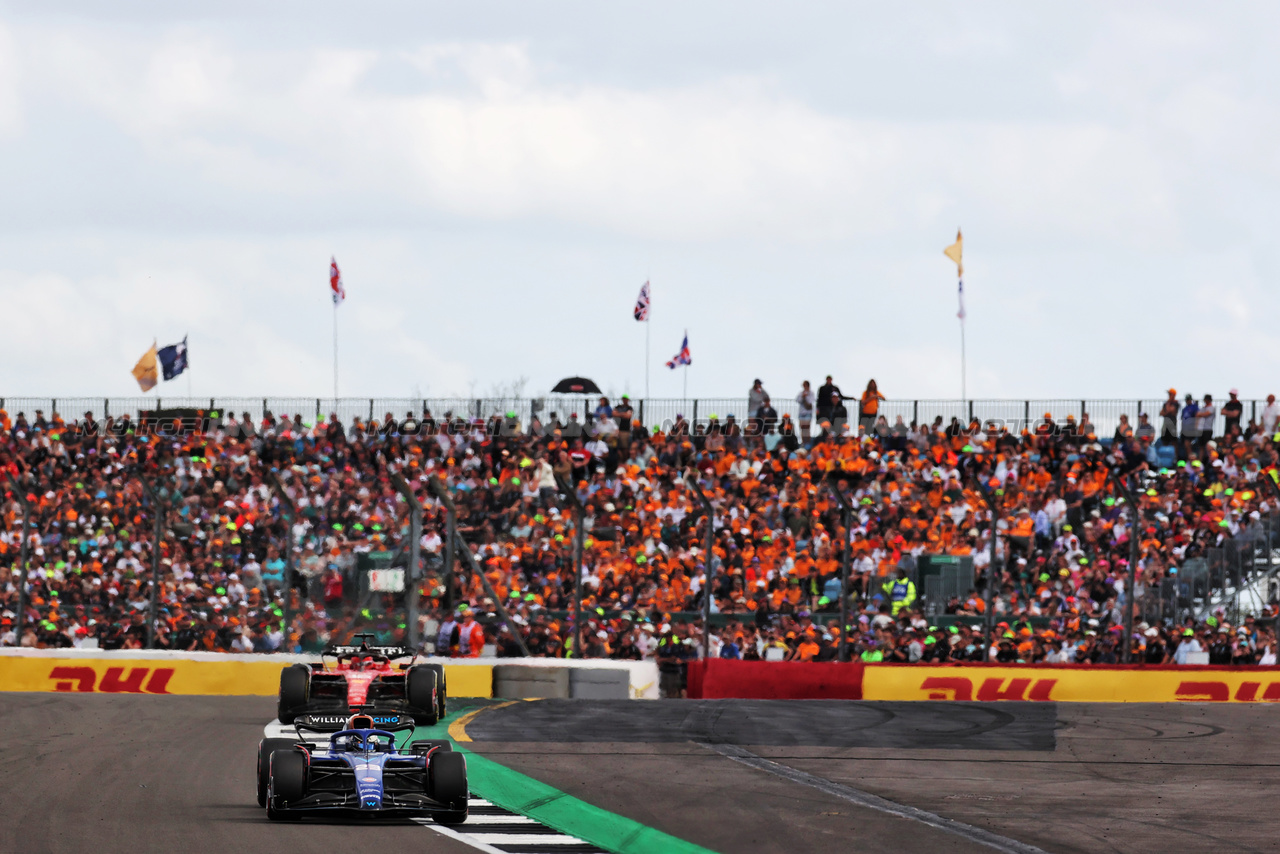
x=506 y=833
x=866 y=799
x=461 y=837
x=502 y=819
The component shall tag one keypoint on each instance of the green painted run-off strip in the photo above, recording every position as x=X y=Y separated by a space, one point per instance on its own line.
x=520 y=793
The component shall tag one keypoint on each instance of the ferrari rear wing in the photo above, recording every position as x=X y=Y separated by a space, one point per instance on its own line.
x=365 y=647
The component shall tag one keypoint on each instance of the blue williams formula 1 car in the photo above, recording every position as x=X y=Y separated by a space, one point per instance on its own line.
x=360 y=773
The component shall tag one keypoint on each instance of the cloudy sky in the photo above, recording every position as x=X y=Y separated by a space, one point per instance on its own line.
x=498 y=179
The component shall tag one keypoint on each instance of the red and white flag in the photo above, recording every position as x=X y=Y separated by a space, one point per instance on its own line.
x=335 y=282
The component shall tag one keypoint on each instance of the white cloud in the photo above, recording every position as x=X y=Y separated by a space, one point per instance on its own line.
x=494 y=196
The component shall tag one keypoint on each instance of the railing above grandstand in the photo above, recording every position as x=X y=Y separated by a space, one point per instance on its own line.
x=1103 y=414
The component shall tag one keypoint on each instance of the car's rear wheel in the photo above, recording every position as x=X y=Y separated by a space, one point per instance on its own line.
x=295 y=688
x=447 y=784
x=441 y=692
x=265 y=748
x=420 y=690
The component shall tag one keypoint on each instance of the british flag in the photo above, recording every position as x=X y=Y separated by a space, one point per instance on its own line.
x=681 y=358
x=335 y=282
x=642 y=303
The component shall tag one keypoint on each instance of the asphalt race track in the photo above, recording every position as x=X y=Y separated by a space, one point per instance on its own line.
x=119 y=773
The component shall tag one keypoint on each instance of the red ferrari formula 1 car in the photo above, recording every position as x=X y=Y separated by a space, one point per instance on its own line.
x=373 y=680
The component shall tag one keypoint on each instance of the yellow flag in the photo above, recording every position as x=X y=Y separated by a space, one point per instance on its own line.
x=953 y=252
x=145 y=371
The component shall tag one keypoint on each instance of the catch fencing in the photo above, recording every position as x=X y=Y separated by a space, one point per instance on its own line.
x=1103 y=414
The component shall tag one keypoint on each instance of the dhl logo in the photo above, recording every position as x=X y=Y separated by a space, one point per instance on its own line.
x=959 y=688
x=113 y=680
x=1220 y=692
x=1041 y=690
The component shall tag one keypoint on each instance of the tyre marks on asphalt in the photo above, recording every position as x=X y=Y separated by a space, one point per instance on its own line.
x=494 y=830
x=776 y=723
x=866 y=799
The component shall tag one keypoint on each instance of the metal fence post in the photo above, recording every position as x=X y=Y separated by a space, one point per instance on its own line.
x=438 y=489
x=710 y=570
x=415 y=542
x=990 y=616
x=157 y=512
x=845 y=559
x=572 y=497
x=287 y=616
x=1130 y=598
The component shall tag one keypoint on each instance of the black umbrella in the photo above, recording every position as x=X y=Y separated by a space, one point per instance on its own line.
x=576 y=385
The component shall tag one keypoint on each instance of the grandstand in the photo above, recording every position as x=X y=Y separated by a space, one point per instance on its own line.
x=1206 y=562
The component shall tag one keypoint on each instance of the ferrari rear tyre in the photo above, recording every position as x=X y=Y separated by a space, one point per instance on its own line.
x=441 y=693
x=295 y=689
x=265 y=748
x=421 y=689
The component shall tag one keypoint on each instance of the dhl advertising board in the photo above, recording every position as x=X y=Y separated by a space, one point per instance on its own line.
x=1072 y=684
x=182 y=676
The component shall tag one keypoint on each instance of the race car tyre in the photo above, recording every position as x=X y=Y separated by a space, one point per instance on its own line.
x=295 y=688
x=265 y=748
x=447 y=784
x=441 y=693
x=421 y=690
x=452 y=817
x=449 y=777
x=424 y=746
x=288 y=775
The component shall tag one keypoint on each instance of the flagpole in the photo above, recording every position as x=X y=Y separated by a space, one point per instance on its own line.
x=956 y=253
x=646 y=353
x=964 y=393
x=335 y=352
x=685 y=393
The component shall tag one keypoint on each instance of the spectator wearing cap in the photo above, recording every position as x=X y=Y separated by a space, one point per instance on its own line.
x=1232 y=412
x=1188 y=646
x=827 y=393
x=1206 y=414
x=1169 y=418
x=1190 y=425
x=623 y=416
x=766 y=417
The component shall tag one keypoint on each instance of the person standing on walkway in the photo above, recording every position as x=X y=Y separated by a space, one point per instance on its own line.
x=825 y=393
x=805 y=401
x=869 y=408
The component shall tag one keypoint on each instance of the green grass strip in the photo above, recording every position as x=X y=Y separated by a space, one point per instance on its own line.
x=522 y=794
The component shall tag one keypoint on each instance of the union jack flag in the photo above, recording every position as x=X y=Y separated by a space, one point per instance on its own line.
x=681 y=358
x=642 y=303
x=335 y=282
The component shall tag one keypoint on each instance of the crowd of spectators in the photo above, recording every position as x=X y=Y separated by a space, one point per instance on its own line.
x=1061 y=555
